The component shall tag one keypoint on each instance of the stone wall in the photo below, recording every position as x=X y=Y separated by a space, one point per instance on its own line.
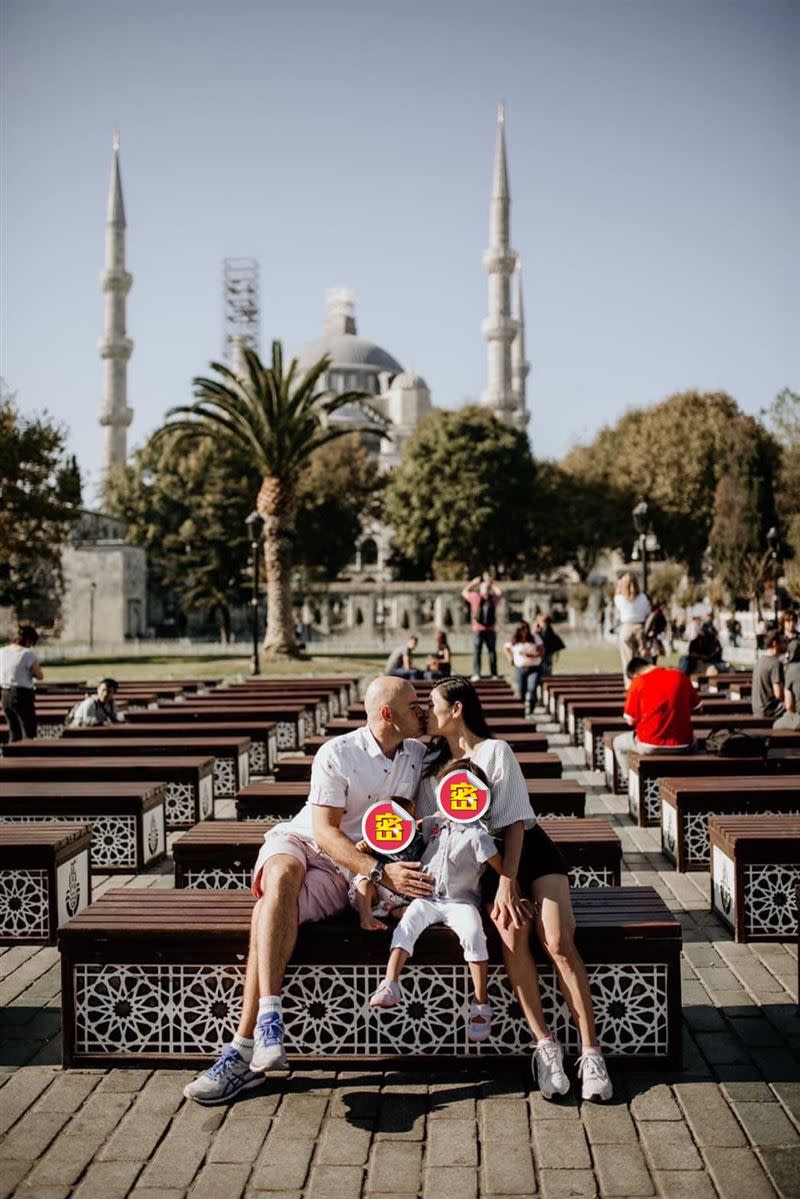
x=105 y=593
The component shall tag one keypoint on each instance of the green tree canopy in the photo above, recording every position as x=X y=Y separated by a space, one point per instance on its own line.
x=575 y=518
x=783 y=418
x=460 y=500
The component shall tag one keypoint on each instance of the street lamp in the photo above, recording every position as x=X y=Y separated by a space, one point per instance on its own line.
x=774 y=543
x=640 y=524
x=254 y=525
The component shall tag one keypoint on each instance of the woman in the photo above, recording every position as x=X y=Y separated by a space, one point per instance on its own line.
x=19 y=666
x=633 y=608
x=439 y=661
x=532 y=866
x=525 y=651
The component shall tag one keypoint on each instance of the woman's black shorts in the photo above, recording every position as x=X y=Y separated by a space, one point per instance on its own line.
x=539 y=857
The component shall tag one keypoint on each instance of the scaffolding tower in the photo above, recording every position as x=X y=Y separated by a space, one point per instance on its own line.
x=241 y=310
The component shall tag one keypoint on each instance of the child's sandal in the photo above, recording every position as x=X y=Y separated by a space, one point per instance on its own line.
x=480 y=1022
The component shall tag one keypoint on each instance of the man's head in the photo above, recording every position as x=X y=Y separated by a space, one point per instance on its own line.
x=26 y=636
x=638 y=666
x=775 y=643
x=106 y=690
x=412 y=642
x=790 y=624
x=393 y=709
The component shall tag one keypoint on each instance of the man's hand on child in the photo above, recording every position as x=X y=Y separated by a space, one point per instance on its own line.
x=406 y=878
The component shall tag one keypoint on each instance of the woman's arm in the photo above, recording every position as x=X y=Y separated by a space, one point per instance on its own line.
x=510 y=910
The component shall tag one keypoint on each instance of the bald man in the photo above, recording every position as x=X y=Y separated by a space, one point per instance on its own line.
x=300 y=872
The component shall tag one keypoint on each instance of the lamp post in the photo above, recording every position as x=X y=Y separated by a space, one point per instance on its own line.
x=253 y=524
x=640 y=525
x=92 y=589
x=774 y=543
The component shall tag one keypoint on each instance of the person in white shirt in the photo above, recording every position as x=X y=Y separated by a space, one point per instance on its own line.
x=633 y=609
x=302 y=871
x=525 y=652
x=19 y=668
x=97 y=709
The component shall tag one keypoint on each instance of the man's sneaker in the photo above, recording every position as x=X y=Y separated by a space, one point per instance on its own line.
x=595 y=1083
x=268 y=1051
x=548 y=1062
x=229 y=1075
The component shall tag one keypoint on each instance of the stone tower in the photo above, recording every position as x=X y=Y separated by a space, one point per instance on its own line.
x=115 y=347
x=520 y=368
x=500 y=328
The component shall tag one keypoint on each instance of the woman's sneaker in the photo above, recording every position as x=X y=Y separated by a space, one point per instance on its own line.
x=548 y=1063
x=268 y=1051
x=595 y=1083
x=229 y=1075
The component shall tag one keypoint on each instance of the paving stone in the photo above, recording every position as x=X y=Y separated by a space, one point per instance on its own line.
x=393 y=1161
x=567 y=1184
x=710 y=1118
x=157 y=1193
x=684 y=1184
x=401 y=1116
x=720 y=1047
x=505 y=1172
x=547 y=1109
x=608 y=1124
x=451 y=1182
x=789 y=1095
x=123 y=1080
x=737 y=1174
x=107 y=1180
x=776 y=1065
x=656 y=1103
x=758 y=1032
x=704 y=1019
x=76 y=1145
x=11 y=1174
x=783 y=1167
x=343 y=1144
x=68 y=1092
x=669 y=1146
x=241 y=1136
x=35 y=1191
x=144 y=1125
x=452 y=1143
x=218 y=1179
x=560 y=1147
x=355 y=1102
x=300 y=1116
x=32 y=1134
x=504 y=1120
x=767 y=1124
x=335 y=1182
x=180 y=1154
x=622 y=1171
x=22 y=1089
x=283 y=1166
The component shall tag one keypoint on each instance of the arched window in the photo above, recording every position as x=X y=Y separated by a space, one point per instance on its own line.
x=369 y=552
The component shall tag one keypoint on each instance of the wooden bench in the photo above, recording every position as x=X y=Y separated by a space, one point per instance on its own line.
x=281 y=800
x=44 y=879
x=126 y=818
x=261 y=735
x=755 y=870
x=293 y=721
x=222 y=855
x=154 y=978
x=189 y=779
x=230 y=754
x=647 y=770
x=687 y=802
x=527 y=742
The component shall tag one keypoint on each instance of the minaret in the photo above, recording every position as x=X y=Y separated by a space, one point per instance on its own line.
x=115 y=347
x=520 y=368
x=499 y=327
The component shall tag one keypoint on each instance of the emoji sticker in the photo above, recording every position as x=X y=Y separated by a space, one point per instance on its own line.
x=387 y=828
x=462 y=796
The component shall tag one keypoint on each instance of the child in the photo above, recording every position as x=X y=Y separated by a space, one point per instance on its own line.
x=456 y=854
x=371 y=901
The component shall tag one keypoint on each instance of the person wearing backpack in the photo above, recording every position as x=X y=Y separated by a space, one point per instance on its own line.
x=483 y=596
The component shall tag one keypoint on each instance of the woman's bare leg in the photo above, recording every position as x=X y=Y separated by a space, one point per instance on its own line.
x=523 y=976
x=555 y=923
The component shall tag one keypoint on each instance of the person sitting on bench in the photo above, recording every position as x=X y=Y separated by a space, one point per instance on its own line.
x=659 y=708
x=96 y=709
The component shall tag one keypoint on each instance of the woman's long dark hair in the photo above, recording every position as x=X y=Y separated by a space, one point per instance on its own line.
x=456 y=689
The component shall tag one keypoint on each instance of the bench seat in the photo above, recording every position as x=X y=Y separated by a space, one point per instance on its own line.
x=126 y=818
x=647 y=770
x=687 y=803
x=292 y=721
x=261 y=734
x=154 y=978
x=44 y=879
x=755 y=871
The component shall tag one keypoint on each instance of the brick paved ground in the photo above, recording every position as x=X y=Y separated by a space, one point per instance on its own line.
x=727 y=1125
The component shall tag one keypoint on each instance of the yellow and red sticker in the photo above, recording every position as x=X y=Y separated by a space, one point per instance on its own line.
x=462 y=796
x=387 y=828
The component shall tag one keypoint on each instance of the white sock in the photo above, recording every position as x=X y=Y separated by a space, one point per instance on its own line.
x=243 y=1046
x=592 y=1049
x=549 y=1040
x=269 y=1003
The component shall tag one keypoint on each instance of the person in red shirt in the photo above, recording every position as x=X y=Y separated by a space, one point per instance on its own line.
x=659 y=708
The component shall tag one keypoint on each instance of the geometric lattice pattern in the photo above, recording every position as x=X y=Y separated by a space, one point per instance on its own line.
x=286 y=734
x=591 y=876
x=24 y=910
x=258 y=757
x=180 y=804
x=219 y=879
x=697 y=846
x=224 y=777
x=652 y=801
x=769 y=900
x=191 y=1009
x=50 y=730
x=113 y=837
x=599 y=754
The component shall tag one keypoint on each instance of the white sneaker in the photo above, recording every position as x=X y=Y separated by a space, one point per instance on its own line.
x=229 y=1075
x=474 y=678
x=388 y=994
x=548 y=1063
x=595 y=1083
x=479 y=1027
x=268 y=1051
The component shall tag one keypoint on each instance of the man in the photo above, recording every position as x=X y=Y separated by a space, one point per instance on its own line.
x=300 y=872
x=767 y=697
x=792 y=637
x=483 y=596
x=96 y=709
x=659 y=708
x=19 y=669
x=400 y=662
x=552 y=643
x=705 y=650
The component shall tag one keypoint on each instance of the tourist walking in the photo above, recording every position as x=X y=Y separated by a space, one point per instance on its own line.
x=534 y=884
x=19 y=669
x=767 y=695
x=525 y=651
x=552 y=643
x=483 y=596
x=658 y=707
x=633 y=608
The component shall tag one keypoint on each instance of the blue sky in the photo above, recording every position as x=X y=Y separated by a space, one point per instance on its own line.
x=653 y=171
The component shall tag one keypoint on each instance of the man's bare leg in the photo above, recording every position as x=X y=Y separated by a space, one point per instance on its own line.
x=276 y=932
x=247 y=1021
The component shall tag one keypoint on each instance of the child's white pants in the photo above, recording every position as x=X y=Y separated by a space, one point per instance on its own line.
x=463 y=918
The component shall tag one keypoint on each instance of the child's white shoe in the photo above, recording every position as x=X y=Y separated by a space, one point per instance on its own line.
x=480 y=1022
x=388 y=994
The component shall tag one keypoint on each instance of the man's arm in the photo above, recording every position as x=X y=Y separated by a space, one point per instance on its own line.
x=405 y=877
x=36 y=670
x=470 y=587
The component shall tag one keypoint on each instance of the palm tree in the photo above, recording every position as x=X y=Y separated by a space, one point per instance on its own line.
x=279 y=419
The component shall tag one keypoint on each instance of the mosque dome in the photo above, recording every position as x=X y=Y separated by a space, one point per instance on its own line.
x=347 y=349
x=356 y=362
x=409 y=381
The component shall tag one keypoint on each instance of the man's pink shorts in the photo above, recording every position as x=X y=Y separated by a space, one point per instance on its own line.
x=324 y=889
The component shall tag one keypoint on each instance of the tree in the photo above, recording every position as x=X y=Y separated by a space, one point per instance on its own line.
x=460 y=500
x=337 y=492
x=278 y=420
x=783 y=418
x=575 y=519
x=40 y=496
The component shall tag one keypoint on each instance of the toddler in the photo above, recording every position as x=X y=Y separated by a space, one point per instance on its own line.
x=371 y=901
